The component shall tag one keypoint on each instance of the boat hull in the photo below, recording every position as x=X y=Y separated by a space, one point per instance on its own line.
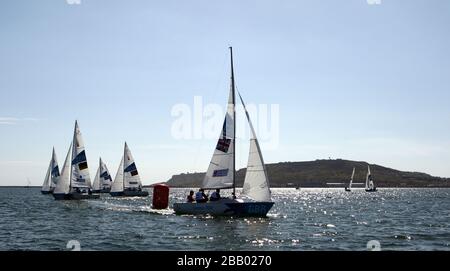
x=225 y=207
x=348 y=189
x=46 y=192
x=101 y=191
x=371 y=190
x=75 y=196
x=129 y=194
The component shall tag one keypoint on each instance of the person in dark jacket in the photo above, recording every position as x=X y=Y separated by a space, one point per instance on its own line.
x=215 y=196
x=200 y=196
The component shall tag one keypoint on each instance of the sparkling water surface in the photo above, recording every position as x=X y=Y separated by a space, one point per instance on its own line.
x=305 y=219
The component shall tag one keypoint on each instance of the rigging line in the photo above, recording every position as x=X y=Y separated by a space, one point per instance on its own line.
x=219 y=82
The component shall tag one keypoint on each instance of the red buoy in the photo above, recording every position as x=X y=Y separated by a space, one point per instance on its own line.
x=160 y=196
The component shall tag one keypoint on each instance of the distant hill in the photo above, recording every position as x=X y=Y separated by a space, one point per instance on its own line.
x=323 y=173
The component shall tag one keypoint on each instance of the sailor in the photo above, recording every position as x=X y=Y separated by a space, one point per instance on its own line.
x=200 y=196
x=190 y=197
x=233 y=195
x=215 y=196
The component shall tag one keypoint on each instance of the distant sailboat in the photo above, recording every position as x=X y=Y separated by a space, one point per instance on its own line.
x=102 y=180
x=52 y=176
x=349 y=188
x=127 y=182
x=370 y=186
x=221 y=174
x=74 y=182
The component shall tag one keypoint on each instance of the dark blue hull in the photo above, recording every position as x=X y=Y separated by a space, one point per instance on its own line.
x=101 y=191
x=46 y=192
x=75 y=196
x=371 y=190
x=129 y=194
x=225 y=207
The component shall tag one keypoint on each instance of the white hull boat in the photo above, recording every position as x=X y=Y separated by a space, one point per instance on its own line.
x=74 y=182
x=127 y=182
x=102 y=180
x=370 y=185
x=52 y=176
x=349 y=187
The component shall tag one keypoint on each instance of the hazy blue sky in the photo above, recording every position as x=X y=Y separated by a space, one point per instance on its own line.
x=352 y=80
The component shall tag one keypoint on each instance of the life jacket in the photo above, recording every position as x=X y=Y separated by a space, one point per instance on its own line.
x=215 y=195
x=199 y=196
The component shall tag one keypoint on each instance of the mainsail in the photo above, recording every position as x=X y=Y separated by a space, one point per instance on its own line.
x=127 y=176
x=63 y=185
x=105 y=177
x=256 y=183
x=221 y=170
x=131 y=177
x=351 y=179
x=369 y=180
x=80 y=171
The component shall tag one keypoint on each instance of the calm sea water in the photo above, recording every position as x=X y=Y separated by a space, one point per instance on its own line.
x=306 y=219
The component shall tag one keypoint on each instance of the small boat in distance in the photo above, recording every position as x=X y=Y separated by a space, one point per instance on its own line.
x=74 y=182
x=349 y=188
x=127 y=182
x=370 y=186
x=102 y=180
x=52 y=176
x=221 y=174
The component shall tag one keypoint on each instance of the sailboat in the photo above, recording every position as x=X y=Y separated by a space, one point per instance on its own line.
x=52 y=176
x=102 y=180
x=127 y=182
x=370 y=186
x=221 y=174
x=349 y=188
x=74 y=182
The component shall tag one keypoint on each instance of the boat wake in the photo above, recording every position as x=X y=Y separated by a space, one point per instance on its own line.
x=127 y=208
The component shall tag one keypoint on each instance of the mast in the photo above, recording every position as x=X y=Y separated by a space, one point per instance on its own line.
x=100 y=183
x=123 y=164
x=74 y=146
x=234 y=122
x=70 y=171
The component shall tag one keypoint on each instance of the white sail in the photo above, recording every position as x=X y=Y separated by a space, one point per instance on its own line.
x=105 y=177
x=47 y=180
x=52 y=176
x=220 y=172
x=131 y=177
x=117 y=185
x=256 y=183
x=54 y=172
x=96 y=183
x=80 y=171
x=351 y=179
x=369 y=180
x=63 y=185
x=102 y=178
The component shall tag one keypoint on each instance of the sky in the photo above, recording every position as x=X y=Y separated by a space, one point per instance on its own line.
x=341 y=79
